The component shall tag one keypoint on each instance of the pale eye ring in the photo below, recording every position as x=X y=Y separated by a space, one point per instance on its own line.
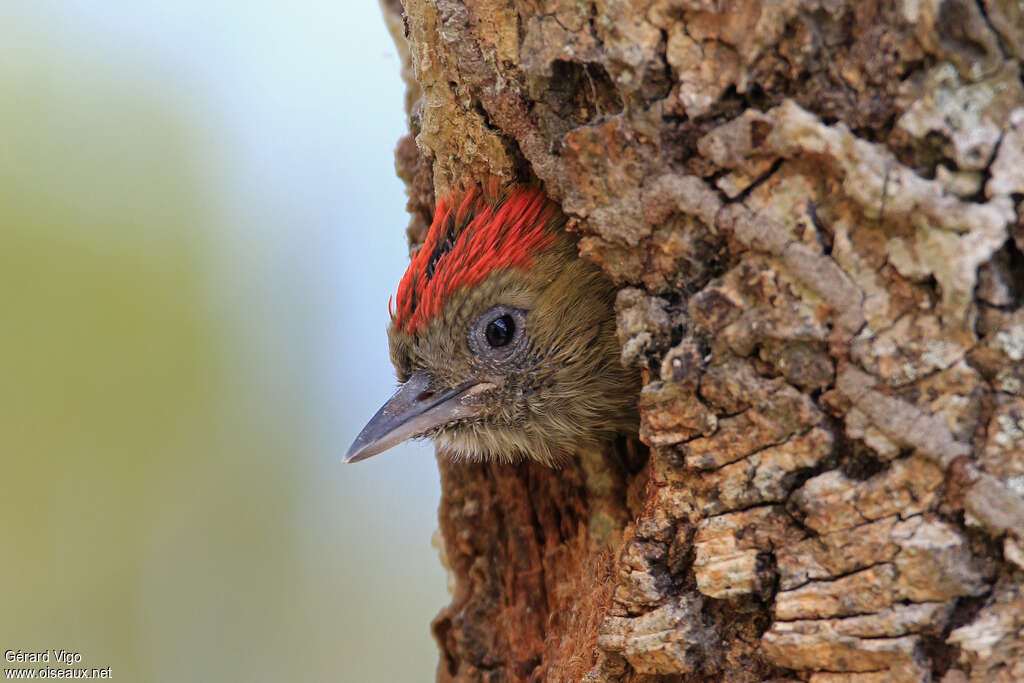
x=499 y=334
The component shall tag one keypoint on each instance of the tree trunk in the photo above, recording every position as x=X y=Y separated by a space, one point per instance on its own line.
x=813 y=208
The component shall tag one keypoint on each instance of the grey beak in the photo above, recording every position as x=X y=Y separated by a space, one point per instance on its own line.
x=418 y=406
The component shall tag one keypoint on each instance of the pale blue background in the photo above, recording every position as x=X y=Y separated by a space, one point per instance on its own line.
x=200 y=226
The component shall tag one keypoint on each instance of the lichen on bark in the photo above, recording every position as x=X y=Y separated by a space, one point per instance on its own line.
x=815 y=211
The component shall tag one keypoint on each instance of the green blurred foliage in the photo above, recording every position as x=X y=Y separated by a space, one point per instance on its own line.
x=118 y=435
x=153 y=484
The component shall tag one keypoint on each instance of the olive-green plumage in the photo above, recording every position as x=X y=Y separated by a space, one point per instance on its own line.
x=567 y=390
x=553 y=387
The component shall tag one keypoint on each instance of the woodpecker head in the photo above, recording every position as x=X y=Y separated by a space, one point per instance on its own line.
x=503 y=339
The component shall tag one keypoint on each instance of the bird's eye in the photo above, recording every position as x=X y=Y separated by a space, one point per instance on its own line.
x=499 y=335
x=500 y=331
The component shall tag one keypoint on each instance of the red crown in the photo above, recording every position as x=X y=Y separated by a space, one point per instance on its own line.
x=463 y=247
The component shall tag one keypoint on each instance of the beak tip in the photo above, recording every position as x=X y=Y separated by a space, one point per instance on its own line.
x=353 y=454
x=363 y=448
x=410 y=412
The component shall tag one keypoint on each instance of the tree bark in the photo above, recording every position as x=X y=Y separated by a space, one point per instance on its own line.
x=814 y=210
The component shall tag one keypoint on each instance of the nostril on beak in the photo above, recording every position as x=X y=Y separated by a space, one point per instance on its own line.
x=425 y=395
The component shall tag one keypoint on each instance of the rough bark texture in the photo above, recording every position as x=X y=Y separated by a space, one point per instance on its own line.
x=814 y=209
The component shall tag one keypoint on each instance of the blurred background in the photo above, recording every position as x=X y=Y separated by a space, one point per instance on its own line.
x=200 y=226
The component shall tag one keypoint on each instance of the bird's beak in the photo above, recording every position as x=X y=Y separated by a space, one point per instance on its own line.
x=418 y=406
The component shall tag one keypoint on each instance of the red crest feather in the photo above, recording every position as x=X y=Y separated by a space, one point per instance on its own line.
x=471 y=237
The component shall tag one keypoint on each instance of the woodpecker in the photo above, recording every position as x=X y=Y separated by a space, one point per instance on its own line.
x=503 y=339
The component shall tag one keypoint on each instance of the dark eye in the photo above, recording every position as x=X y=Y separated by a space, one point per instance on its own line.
x=499 y=335
x=501 y=330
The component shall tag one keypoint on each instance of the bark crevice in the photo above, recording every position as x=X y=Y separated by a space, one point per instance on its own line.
x=814 y=213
